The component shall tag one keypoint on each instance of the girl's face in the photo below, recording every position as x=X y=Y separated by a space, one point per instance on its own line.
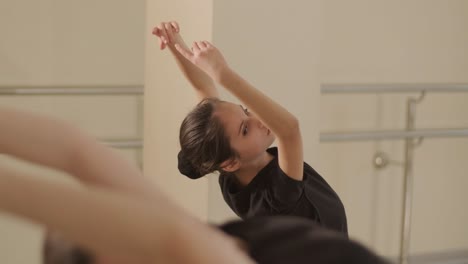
x=246 y=133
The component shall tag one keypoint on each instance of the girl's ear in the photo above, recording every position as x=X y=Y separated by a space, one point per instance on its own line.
x=231 y=165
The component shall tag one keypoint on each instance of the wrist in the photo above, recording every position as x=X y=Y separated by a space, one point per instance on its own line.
x=223 y=75
x=176 y=40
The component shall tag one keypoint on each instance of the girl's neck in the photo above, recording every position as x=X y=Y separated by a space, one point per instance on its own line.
x=248 y=172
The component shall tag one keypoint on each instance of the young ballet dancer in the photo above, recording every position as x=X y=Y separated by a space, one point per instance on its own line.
x=235 y=140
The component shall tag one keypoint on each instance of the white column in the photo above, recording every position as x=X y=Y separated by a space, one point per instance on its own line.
x=168 y=98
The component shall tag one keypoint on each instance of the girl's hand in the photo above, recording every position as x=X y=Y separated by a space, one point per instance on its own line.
x=167 y=33
x=205 y=56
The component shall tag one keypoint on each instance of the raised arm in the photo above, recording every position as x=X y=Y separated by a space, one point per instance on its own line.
x=283 y=124
x=57 y=144
x=168 y=34
x=116 y=224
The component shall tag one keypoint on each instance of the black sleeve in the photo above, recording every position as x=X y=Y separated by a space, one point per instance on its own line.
x=284 y=191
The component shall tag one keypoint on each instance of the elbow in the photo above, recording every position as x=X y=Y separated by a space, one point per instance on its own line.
x=295 y=124
x=292 y=129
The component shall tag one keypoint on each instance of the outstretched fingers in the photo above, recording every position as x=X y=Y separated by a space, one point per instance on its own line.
x=198 y=47
x=165 y=32
x=207 y=44
x=202 y=45
x=175 y=26
x=160 y=32
x=171 y=29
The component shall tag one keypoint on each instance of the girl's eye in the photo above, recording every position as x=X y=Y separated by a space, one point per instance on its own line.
x=246 y=111
x=245 y=130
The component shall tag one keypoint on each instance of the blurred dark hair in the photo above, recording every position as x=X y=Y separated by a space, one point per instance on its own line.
x=203 y=141
x=57 y=250
x=290 y=239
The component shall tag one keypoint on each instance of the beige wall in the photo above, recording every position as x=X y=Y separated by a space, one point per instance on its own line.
x=277 y=47
x=421 y=41
x=69 y=43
